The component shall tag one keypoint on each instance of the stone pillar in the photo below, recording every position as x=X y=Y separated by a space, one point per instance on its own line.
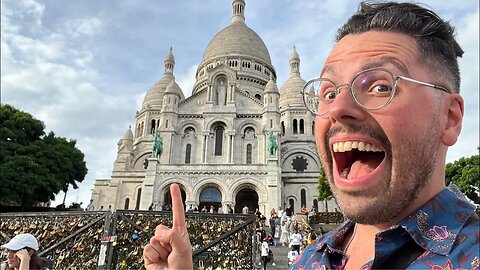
x=147 y=186
x=274 y=184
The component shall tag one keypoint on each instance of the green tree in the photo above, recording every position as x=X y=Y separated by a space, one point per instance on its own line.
x=324 y=192
x=465 y=174
x=34 y=167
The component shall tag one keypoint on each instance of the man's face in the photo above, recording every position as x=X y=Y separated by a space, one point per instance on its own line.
x=373 y=187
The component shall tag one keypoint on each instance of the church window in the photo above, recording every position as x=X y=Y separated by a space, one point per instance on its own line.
x=218 y=141
x=271 y=100
x=141 y=129
x=257 y=96
x=292 y=203
x=152 y=126
x=315 y=203
x=271 y=123
x=249 y=154
x=139 y=195
x=188 y=152
x=303 y=197
x=166 y=123
x=283 y=128
x=127 y=202
x=300 y=164
x=302 y=127
x=295 y=127
x=313 y=130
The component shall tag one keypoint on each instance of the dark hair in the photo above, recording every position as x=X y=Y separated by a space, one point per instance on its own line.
x=35 y=261
x=435 y=37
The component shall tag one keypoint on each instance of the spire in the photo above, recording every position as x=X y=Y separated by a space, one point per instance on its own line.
x=294 y=63
x=169 y=62
x=238 y=11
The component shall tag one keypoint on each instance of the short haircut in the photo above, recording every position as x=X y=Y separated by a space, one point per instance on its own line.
x=435 y=37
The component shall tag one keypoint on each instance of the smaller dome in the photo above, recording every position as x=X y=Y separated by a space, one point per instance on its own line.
x=294 y=55
x=271 y=86
x=174 y=88
x=290 y=92
x=129 y=134
x=155 y=93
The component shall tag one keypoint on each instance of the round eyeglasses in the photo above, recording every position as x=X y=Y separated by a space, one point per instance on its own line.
x=371 y=89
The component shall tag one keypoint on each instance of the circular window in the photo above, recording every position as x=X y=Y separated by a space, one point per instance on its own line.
x=300 y=164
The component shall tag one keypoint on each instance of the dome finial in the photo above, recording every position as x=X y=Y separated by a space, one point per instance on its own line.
x=238 y=11
x=294 y=62
x=169 y=62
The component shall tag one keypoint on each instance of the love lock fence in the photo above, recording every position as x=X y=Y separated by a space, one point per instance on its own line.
x=102 y=240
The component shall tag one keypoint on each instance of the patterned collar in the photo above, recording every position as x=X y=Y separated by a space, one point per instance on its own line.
x=434 y=226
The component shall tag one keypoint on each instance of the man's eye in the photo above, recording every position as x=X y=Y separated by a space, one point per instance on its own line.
x=381 y=90
x=329 y=95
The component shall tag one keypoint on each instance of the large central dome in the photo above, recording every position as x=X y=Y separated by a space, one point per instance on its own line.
x=237 y=39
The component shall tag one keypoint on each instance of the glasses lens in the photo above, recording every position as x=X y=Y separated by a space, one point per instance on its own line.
x=317 y=94
x=373 y=89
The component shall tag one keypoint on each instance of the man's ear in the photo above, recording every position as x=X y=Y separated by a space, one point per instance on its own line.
x=453 y=107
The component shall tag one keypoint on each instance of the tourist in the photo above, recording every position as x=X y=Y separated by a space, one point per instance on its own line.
x=289 y=211
x=382 y=138
x=90 y=206
x=273 y=221
x=296 y=240
x=21 y=252
x=245 y=210
x=264 y=253
x=284 y=233
x=292 y=255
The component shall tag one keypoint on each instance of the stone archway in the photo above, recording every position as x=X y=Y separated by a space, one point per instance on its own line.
x=167 y=199
x=209 y=197
x=246 y=196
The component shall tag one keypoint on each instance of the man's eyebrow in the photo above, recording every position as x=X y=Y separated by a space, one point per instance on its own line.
x=376 y=62
x=381 y=61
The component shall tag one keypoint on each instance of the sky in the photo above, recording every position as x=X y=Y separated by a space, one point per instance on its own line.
x=84 y=67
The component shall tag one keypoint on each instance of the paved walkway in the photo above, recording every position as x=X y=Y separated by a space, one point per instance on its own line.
x=280 y=258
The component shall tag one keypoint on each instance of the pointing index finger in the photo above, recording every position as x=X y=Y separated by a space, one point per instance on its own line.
x=177 y=208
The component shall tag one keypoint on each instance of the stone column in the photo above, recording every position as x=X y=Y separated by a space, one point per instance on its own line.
x=148 y=182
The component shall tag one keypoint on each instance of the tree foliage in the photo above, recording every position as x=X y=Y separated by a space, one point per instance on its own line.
x=324 y=192
x=465 y=174
x=34 y=167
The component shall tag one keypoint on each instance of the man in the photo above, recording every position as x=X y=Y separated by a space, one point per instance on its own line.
x=388 y=107
x=90 y=206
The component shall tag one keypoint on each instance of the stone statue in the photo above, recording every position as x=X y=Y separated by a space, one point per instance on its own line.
x=272 y=144
x=157 y=145
x=221 y=93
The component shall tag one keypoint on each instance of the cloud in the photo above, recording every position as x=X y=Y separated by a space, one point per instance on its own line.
x=187 y=80
x=84 y=27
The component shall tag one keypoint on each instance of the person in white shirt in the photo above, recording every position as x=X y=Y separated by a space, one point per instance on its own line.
x=245 y=210
x=90 y=206
x=264 y=252
x=292 y=255
x=296 y=240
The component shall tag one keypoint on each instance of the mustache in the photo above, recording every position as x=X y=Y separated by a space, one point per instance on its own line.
x=378 y=134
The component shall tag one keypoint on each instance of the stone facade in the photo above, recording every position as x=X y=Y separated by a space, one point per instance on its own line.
x=216 y=142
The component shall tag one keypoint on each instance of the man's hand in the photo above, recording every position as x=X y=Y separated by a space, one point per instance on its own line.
x=170 y=248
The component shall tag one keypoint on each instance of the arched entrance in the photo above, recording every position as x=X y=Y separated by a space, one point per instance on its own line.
x=248 y=197
x=209 y=197
x=167 y=200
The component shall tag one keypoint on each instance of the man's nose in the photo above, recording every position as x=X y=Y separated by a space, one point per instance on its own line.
x=344 y=107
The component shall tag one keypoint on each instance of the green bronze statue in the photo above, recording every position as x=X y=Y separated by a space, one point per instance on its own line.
x=157 y=145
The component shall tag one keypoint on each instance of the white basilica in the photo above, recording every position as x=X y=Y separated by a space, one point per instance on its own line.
x=215 y=142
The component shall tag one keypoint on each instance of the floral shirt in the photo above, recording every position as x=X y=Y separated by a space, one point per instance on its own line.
x=446 y=228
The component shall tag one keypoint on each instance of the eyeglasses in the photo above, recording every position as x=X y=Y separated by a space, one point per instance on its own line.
x=371 y=89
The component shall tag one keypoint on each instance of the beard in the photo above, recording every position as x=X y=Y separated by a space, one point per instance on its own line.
x=407 y=172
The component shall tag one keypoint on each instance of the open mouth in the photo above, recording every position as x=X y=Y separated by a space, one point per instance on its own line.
x=356 y=158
